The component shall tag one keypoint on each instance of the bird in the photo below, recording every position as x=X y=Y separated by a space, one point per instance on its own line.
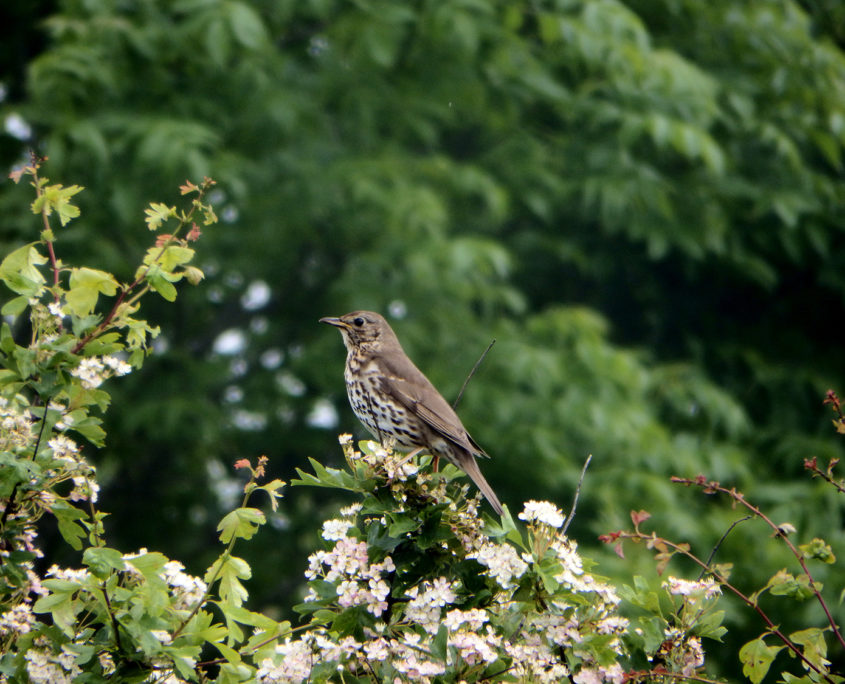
x=393 y=399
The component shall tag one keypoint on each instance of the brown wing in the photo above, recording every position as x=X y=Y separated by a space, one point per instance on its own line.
x=406 y=383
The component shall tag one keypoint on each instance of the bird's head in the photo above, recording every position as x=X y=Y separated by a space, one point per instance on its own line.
x=364 y=330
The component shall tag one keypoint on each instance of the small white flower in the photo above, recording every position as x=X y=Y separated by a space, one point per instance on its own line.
x=118 y=366
x=707 y=588
x=335 y=530
x=543 y=512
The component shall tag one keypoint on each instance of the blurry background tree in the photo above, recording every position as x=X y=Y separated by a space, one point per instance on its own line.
x=641 y=201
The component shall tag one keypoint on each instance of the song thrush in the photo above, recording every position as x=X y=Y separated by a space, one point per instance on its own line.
x=392 y=398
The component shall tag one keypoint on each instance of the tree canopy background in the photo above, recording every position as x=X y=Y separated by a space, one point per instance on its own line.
x=640 y=201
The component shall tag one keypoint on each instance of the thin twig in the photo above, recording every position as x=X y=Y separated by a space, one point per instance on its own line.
x=114 y=623
x=719 y=543
x=577 y=494
x=471 y=373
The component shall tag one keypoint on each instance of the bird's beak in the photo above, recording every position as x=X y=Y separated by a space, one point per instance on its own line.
x=336 y=322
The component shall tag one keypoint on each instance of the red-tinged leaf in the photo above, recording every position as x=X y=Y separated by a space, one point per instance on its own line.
x=619 y=551
x=188 y=187
x=639 y=516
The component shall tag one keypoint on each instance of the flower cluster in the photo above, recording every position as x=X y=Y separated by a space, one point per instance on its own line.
x=15 y=426
x=17 y=620
x=93 y=370
x=455 y=601
x=693 y=591
x=45 y=667
x=359 y=582
x=542 y=512
x=69 y=463
x=383 y=461
x=682 y=652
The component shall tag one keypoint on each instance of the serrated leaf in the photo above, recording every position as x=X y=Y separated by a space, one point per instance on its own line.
x=756 y=658
x=242 y=523
x=66 y=517
x=326 y=477
x=59 y=603
x=19 y=270
x=102 y=561
x=232 y=570
x=85 y=286
x=157 y=214
x=271 y=488
x=170 y=257
x=57 y=198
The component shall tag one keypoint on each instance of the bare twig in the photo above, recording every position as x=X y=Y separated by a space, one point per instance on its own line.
x=577 y=494
x=812 y=465
x=471 y=373
x=719 y=543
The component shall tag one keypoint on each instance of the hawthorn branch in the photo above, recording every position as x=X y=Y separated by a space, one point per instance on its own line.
x=653 y=541
x=713 y=486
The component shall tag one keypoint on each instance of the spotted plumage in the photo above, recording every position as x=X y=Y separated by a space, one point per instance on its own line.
x=392 y=398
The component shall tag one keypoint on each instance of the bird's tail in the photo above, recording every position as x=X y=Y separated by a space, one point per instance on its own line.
x=470 y=467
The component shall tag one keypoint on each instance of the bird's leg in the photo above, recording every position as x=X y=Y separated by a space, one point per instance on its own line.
x=411 y=455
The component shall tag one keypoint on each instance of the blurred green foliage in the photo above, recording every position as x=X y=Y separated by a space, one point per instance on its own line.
x=640 y=201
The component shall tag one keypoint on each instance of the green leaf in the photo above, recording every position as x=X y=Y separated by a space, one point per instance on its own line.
x=15 y=307
x=231 y=571
x=170 y=257
x=246 y=25
x=326 y=477
x=438 y=644
x=242 y=523
x=19 y=270
x=159 y=283
x=818 y=549
x=60 y=604
x=710 y=625
x=103 y=561
x=271 y=488
x=157 y=214
x=57 y=198
x=85 y=285
x=148 y=564
x=7 y=376
x=783 y=583
x=67 y=517
x=756 y=658
x=814 y=645
x=401 y=525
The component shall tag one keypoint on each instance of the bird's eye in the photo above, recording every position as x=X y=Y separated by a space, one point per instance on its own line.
x=358 y=322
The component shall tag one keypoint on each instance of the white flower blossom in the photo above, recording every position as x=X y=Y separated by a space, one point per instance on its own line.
x=17 y=620
x=502 y=562
x=334 y=530
x=707 y=588
x=542 y=512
